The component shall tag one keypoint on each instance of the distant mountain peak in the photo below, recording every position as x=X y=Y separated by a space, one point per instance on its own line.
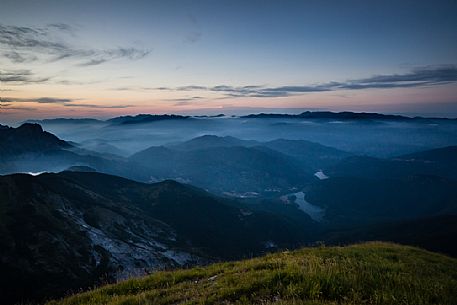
x=31 y=127
x=208 y=141
x=145 y=118
x=211 y=137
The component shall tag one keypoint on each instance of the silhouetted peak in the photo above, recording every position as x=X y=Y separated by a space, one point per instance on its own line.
x=30 y=127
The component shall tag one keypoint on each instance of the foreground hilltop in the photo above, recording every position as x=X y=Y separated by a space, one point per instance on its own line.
x=372 y=273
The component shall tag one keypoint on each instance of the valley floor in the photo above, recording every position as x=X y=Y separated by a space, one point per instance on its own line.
x=370 y=273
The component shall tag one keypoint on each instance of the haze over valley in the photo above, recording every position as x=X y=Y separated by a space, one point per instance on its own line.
x=228 y=152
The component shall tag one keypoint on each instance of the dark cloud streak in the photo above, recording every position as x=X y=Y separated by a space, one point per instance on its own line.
x=20 y=77
x=66 y=102
x=419 y=77
x=40 y=100
x=98 y=106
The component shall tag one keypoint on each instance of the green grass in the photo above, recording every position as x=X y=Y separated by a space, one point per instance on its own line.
x=370 y=273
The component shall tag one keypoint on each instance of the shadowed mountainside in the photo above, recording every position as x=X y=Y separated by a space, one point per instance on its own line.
x=230 y=165
x=74 y=229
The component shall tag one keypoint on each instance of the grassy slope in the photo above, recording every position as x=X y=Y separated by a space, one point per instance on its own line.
x=372 y=273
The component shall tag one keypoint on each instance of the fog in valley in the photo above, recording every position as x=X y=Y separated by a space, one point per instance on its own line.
x=382 y=138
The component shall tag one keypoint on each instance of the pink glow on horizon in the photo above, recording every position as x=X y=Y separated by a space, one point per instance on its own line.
x=375 y=100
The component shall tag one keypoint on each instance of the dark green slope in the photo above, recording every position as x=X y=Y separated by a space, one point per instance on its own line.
x=373 y=273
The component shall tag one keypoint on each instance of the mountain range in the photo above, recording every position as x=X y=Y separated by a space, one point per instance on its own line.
x=94 y=217
x=346 y=115
x=146 y=118
x=220 y=164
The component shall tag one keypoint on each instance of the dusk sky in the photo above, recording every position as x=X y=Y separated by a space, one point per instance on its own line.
x=108 y=58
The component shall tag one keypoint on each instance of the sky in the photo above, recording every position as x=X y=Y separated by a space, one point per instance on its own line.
x=91 y=58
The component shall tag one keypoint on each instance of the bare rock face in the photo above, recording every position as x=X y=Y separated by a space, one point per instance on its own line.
x=62 y=236
x=73 y=230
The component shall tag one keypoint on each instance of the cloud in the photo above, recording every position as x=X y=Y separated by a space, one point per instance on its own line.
x=138 y=88
x=419 y=77
x=15 y=57
x=251 y=91
x=71 y=82
x=66 y=102
x=10 y=107
x=18 y=77
x=49 y=43
x=187 y=88
x=108 y=55
x=423 y=76
x=28 y=38
x=184 y=101
x=123 y=89
x=40 y=100
x=51 y=100
x=98 y=106
x=62 y=27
